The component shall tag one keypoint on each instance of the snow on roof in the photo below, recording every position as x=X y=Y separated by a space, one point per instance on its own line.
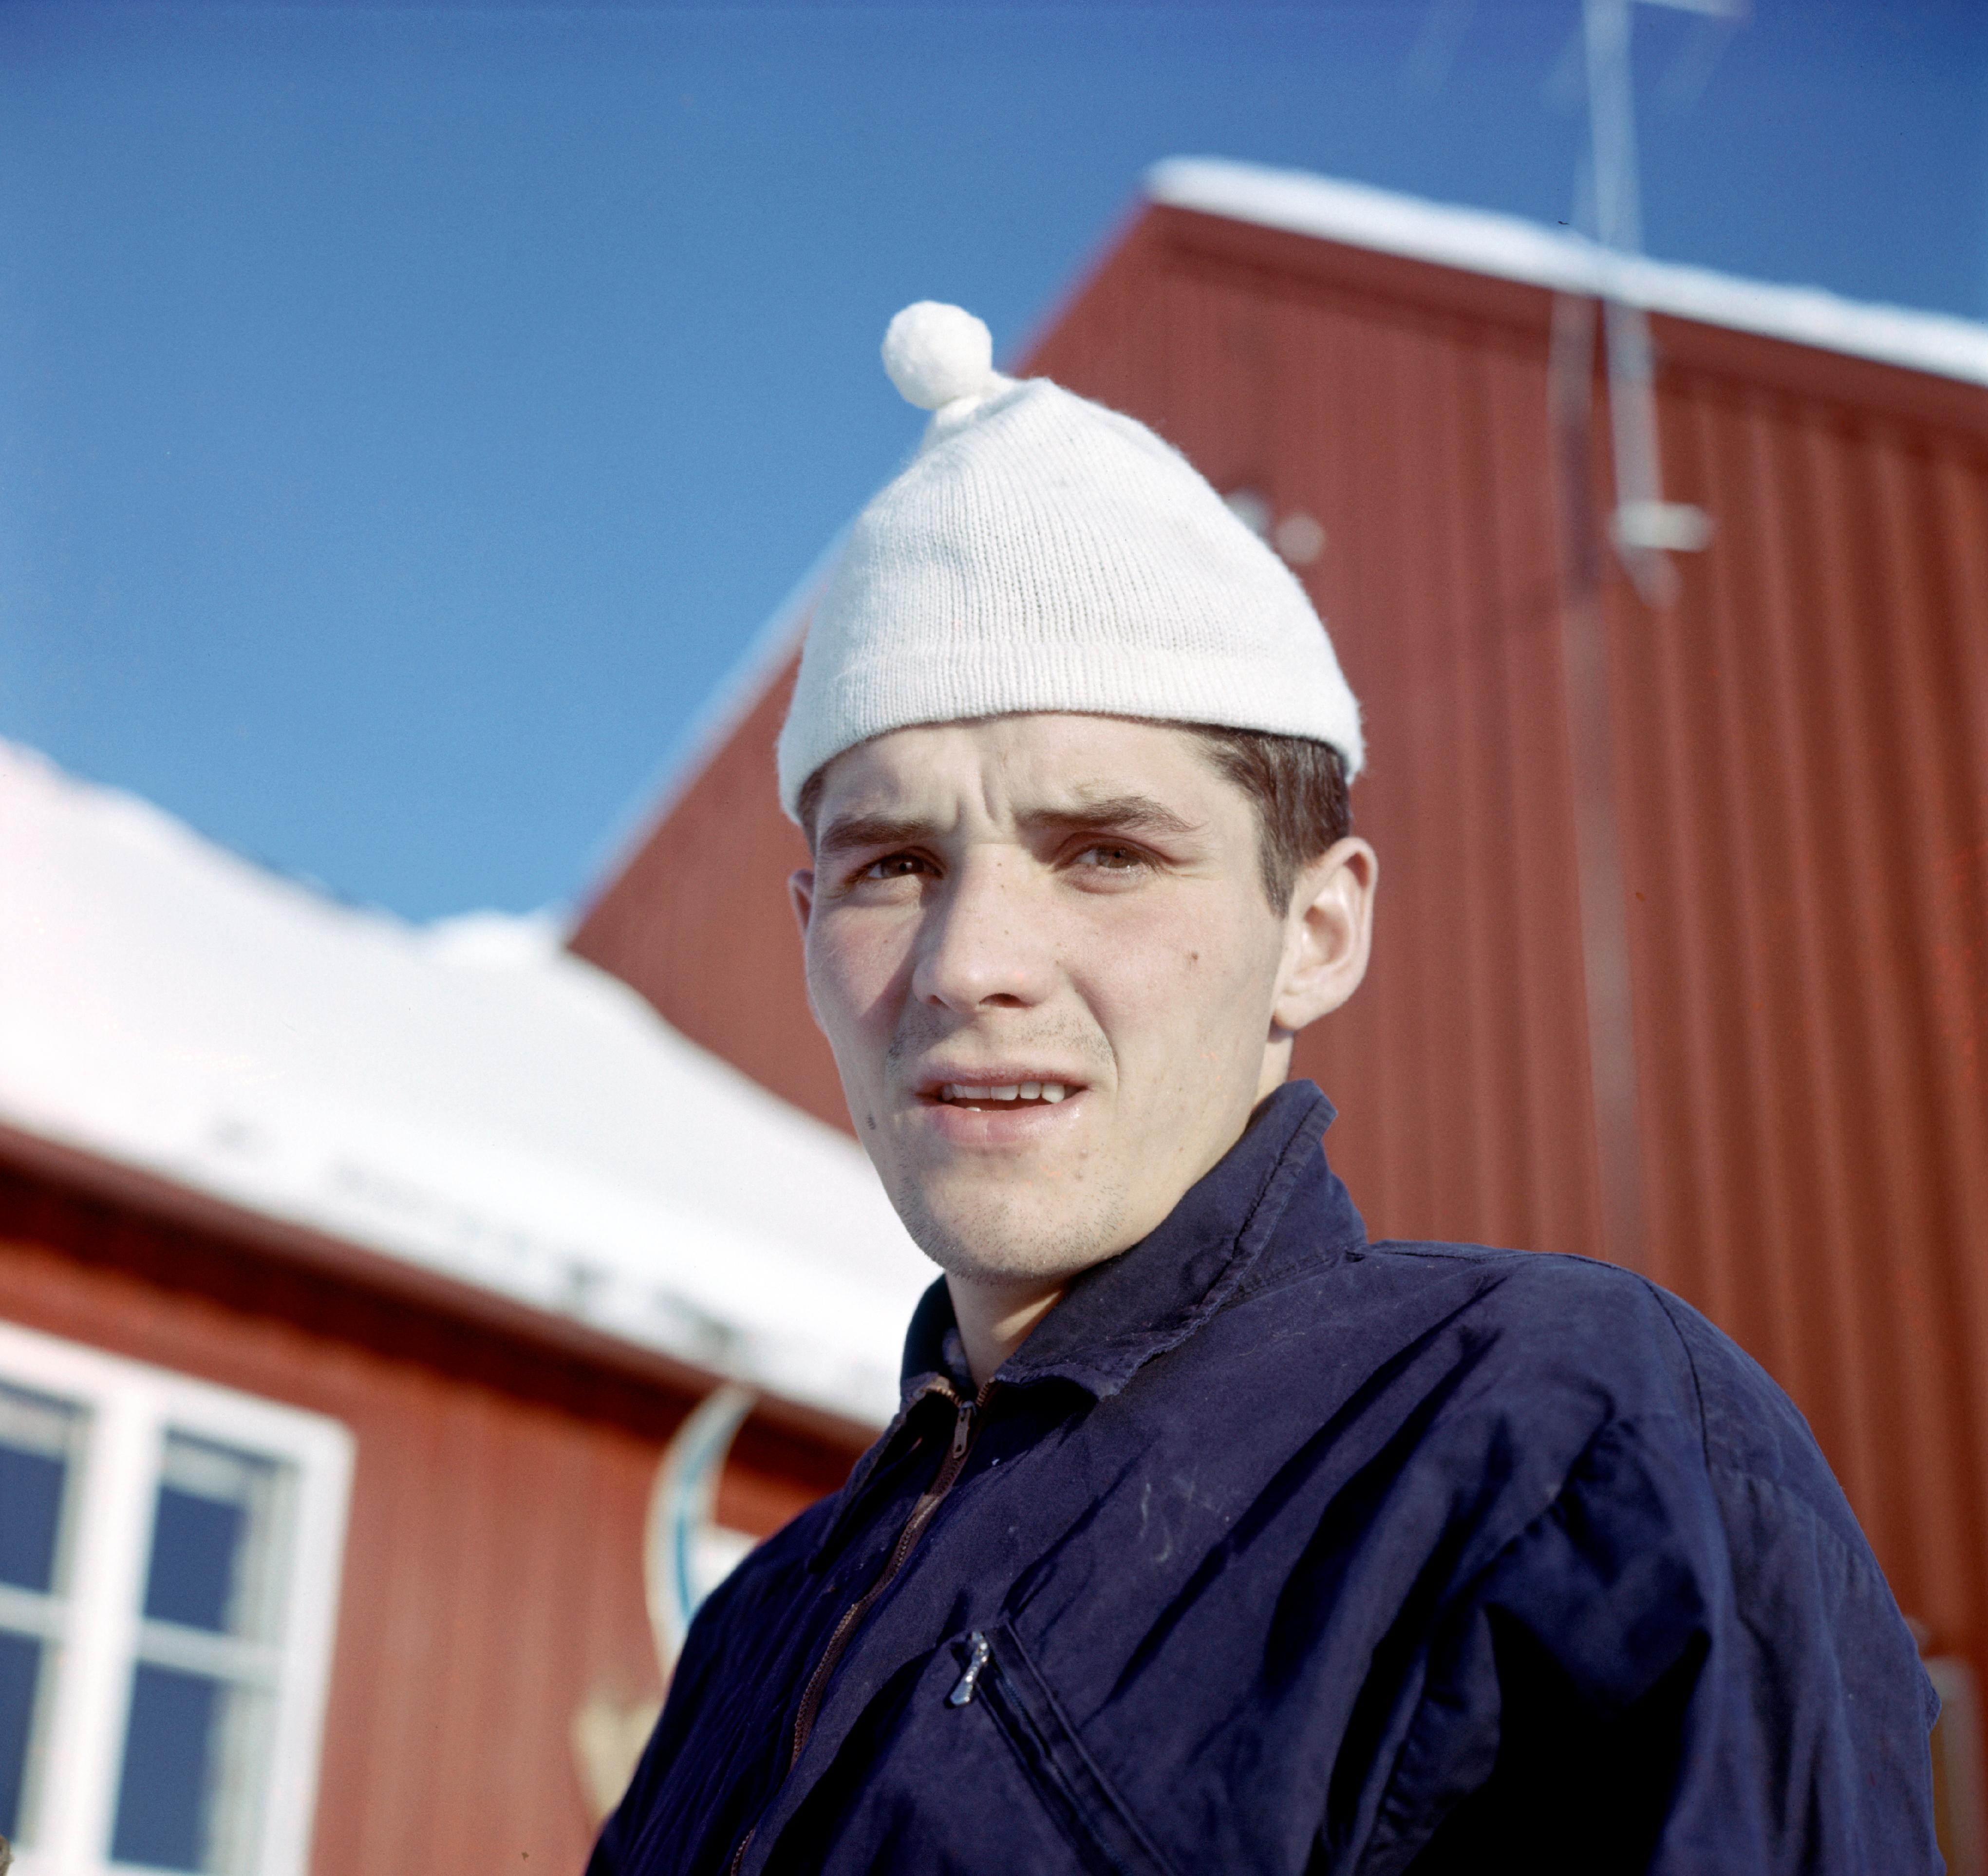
x=467 y=1098
x=1512 y=249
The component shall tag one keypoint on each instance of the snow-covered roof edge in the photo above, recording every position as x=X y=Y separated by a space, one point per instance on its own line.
x=1509 y=248
x=463 y=1104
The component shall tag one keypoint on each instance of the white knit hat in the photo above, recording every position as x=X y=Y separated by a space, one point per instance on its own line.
x=1042 y=553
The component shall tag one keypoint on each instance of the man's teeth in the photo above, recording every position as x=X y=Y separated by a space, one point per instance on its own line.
x=1049 y=1091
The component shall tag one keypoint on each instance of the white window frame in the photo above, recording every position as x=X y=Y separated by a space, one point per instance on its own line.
x=129 y=1408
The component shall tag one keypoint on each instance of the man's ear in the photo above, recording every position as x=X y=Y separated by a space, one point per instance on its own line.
x=1328 y=935
x=800 y=895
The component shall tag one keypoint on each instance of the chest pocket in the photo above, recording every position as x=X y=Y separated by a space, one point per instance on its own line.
x=998 y=1676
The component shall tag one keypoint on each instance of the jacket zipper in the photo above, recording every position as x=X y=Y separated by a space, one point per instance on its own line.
x=915 y=1527
x=978 y=1650
x=844 y=1631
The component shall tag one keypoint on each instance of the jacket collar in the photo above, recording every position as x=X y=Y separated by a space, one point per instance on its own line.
x=1115 y=1318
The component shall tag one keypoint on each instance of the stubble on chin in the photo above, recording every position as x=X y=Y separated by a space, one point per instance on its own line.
x=995 y=1238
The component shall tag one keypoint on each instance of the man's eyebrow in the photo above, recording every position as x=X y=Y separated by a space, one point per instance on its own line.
x=1127 y=814
x=852 y=831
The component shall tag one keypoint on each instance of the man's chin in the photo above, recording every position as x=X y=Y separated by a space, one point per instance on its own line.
x=990 y=1239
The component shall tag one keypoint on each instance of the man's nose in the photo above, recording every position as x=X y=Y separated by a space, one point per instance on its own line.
x=985 y=945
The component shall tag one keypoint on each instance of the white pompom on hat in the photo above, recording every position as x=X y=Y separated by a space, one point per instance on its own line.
x=937 y=354
x=1041 y=553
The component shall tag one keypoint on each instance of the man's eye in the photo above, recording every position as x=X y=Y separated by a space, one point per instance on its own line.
x=1111 y=859
x=893 y=866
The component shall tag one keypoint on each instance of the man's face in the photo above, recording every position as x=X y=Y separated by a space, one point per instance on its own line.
x=1068 y=907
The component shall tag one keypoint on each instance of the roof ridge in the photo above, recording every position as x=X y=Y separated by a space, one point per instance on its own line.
x=1509 y=247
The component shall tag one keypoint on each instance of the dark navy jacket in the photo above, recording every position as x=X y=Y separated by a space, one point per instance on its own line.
x=1273 y=1549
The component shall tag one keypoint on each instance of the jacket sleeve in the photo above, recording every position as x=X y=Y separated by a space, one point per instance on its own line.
x=1677 y=1668
x=620 y=1849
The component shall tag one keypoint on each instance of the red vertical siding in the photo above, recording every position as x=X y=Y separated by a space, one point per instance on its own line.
x=1803 y=804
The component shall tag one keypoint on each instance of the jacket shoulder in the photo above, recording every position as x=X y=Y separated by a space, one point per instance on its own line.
x=1600 y=1320
x=1554 y=1314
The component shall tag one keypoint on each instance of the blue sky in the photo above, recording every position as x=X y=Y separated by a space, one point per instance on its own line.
x=407 y=415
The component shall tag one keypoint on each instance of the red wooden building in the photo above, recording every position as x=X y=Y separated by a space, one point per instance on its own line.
x=1683 y=955
x=353 y=1279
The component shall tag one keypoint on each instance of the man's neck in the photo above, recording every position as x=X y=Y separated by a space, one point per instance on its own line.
x=995 y=1320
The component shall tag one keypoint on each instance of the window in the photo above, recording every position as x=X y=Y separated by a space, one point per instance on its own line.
x=169 y=1559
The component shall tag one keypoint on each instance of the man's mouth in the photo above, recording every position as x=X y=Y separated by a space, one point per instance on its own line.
x=1005 y=1095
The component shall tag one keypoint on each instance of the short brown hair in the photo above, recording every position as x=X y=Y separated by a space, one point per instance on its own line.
x=1297 y=787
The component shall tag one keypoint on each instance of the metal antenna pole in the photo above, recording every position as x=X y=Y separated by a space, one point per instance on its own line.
x=1645 y=528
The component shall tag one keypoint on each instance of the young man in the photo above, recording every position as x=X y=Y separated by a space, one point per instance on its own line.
x=1210 y=1535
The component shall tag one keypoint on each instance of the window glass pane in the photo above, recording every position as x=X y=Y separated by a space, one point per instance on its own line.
x=190 y=1790
x=37 y=1442
x=213 y=1540
x=162 y=1800
x=192 y=1765
x=194 y=1545
x=20 y=1673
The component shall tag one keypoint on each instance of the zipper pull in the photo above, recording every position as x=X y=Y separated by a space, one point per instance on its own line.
x=976 y=1659
x=962 y=1429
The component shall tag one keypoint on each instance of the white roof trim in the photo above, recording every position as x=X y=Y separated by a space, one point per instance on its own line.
x=1508 y=248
